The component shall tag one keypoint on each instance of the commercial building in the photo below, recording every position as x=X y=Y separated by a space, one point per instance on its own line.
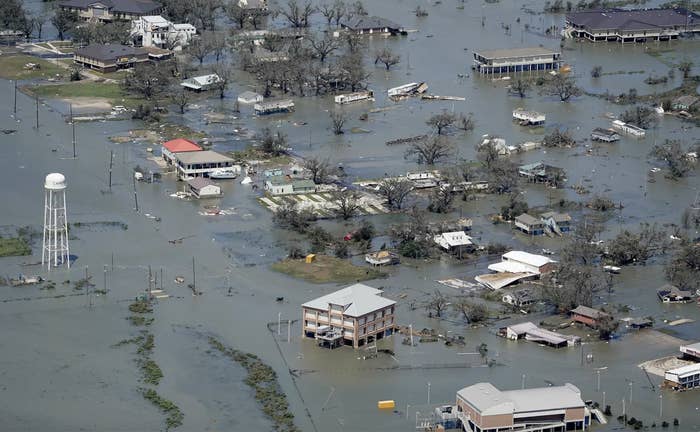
x=356 y=315
x=588 y=316
x=111 y=10
x=109 y=57
x=484 y=408
x=156 y=31
x=638 y=25
x=200 y=163
x=201 y=187
x=684 y=377
x=178 y=145
x=371 y=25
x=516 y=60
x=691 y=351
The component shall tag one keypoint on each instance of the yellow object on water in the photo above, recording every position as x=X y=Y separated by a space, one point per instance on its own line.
x=310 y=258
x=386 y=404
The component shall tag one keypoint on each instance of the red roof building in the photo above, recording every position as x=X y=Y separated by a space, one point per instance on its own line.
x=178 y=145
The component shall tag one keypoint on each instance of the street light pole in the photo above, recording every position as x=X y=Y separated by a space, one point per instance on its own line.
x=661 y=406
x=598 y=383
x=428 y=392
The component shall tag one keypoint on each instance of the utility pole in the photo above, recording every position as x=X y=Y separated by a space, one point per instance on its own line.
x=428 y=392
x=598 y=383
x=73 y=128
x=136 y=199
x=104 y=274
x=523 y=384
x=279 y=323
x=111 y=163
x=37 y=111
x=289 y=331
x=194 y=278
x=661 y=406
x=14 y=111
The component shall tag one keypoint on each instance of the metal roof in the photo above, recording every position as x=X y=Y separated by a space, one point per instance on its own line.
x=638 y=19
x=128 y=6
x=558 y=217
x=357 y=300
x=683 y=371
x=489 y=400
x=109 y=51
x=589 y=312
x=200 y=157
x=528 y=220
x=181 y=145
x=516 y=52
x=451 y=239
x=200 y=182
x=527 y=258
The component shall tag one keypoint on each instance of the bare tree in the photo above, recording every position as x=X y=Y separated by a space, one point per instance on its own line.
x=354 y=42
x=430 y=150
x=347 y=203
x=323 y=47
x=387 y=57
x=597 y=71
x=64 y=21
x=298 y=15
x=271 y=143
x=223 y=71
x=338 y=119
x=437 y=304
x=638 y=247
x=328 y=12
x=181 y=98
x=204 y=13
x=358 y=9
x=320 y=169
x=200 y=48
x=559 y=138
x=671 y=152
x=40 y=20
x=562 y=86
x=442 y=121
x=502 y=176
x=340 y=11
x=237 y=14
x=684 y=268
x=472 y=312
x=148 y=80
x=395 y=191
x=685 y=66
x=354 y=74
x=441 y=200
x=465 y=122
x=217 y=42
x=520 y=87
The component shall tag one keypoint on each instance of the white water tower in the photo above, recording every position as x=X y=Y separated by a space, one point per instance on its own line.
x=55 y=245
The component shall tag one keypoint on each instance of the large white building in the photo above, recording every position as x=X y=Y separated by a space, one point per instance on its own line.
x=482 y=407
x=156 y=31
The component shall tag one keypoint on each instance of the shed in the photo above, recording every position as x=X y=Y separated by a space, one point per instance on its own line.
x=310 y=258
x=588 y=316
x=249 y=97
x=202 y=187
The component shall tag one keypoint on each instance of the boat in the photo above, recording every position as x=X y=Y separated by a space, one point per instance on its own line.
x=26 y=280
x=611 y=269
x=223 y=174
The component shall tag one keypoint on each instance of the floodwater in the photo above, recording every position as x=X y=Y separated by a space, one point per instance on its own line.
x=59 y=372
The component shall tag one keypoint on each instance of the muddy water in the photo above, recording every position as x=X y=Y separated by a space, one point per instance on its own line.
x=58 y=370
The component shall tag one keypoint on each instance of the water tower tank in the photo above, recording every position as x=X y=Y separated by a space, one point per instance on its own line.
x=55 y=181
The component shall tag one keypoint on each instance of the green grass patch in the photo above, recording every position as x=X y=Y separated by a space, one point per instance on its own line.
x=151 y=372
x=263 y=380
x=14 y=246
x=13 y=67
x=326 y=269
x=112 y=91
x=175 y=415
